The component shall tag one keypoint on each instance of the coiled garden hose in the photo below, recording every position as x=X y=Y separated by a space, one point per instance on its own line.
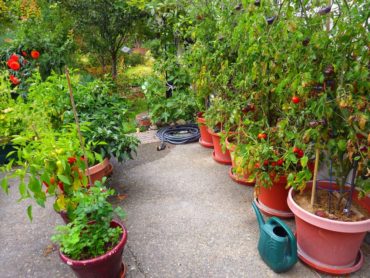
x=180 y=134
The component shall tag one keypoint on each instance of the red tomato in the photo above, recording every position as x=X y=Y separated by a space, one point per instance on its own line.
x=296 y=99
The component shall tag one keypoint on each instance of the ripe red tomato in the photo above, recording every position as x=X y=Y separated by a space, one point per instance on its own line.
x=280 y=162
x=300 y=153
x=296 y=99
x=266 y=162
x=262 y=136
x=295 y=149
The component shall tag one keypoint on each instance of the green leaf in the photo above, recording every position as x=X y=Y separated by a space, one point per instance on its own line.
x=29 y=212
x=342 y=145
x=23 y=189
x=304 y=161
x=64 y=179
x=5 y=185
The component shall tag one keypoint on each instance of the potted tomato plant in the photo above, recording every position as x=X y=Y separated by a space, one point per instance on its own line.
x=330 y=114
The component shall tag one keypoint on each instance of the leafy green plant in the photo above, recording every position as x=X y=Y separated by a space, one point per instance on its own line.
x=163 y=110
x=89 y=234
x=105 y=115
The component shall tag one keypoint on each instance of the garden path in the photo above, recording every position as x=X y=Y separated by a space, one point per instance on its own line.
x=185 y=218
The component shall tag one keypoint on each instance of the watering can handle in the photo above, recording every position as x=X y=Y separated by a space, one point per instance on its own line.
x=291 y=237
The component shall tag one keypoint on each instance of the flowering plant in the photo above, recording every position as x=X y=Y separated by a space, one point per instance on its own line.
x=20 y=67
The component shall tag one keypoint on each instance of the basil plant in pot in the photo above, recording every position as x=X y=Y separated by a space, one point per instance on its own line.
x=92 y=243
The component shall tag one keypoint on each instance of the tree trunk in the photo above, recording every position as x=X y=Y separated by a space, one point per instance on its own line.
x=102 y=63
x=114 y=65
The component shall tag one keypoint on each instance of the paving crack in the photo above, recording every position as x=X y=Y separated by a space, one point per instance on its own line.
x=137 y=263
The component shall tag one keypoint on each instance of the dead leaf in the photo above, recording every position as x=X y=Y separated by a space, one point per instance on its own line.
x=121 y=197
x=49 y=249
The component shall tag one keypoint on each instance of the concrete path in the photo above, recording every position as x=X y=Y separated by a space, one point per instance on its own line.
x=186 y=218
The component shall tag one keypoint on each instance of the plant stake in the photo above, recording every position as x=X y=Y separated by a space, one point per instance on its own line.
x=77 y=124
x=347 y=208
x=315 y=176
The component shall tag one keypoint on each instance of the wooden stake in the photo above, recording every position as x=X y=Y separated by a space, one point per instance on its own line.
x=78 y=124
x=315 y=177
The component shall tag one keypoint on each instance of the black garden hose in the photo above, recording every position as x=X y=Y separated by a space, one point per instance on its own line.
x=180 y=134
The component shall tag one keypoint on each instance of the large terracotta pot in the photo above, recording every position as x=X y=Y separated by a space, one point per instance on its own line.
x=237 y=172
x=98 y=171
x=328 y=245
x=108 y=265
x=218 y=155
x=272 y=201
x=205 y=138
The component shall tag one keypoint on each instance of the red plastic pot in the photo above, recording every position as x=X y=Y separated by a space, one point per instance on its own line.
x=98 y=171
x=218 y=155
x=236 y=172
x=205 y=138
x=108 y=265
x=272 y=201
x=328 y=245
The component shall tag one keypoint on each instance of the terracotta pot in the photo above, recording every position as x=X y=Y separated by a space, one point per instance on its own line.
x=108 y=265
x=238 y=173
x=273 y=201
x=328 y=245
x=98 y=171
x=143 y=119
x=218 y=155
x=205 y=138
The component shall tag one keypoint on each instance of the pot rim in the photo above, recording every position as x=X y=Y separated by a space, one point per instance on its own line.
x=102 y=258
x=324 y=223
x=230 y=146
x=98 y=167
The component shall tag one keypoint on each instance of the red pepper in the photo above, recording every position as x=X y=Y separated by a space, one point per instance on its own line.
x=71 y=160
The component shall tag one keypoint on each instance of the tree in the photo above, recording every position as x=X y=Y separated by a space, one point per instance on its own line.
x=105 y=25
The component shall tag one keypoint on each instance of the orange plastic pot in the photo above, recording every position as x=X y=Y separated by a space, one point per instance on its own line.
x=98 y=171
x=272 y=201
x=238 y=173
x=108 y=265
x=218 y=155
x=205 y=138
x=328 y=245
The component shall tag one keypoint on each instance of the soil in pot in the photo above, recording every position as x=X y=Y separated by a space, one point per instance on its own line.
x=335 y=212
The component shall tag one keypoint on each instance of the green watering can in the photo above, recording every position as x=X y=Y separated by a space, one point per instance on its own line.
x=277 y=245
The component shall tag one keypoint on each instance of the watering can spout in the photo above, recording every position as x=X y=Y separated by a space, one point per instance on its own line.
x=260 y=220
